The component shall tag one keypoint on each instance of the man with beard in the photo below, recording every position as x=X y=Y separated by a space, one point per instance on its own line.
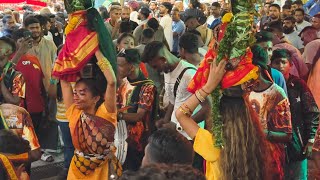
x=274 y=12
x=125 y=16
x=300 y=22
x=42 y=48
x=289 y=30
x=166 y=22
x=45 y=26
x=143 y=15
x=8 y=26
x=274 y=15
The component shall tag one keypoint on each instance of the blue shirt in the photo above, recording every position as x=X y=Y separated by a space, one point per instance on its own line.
x=179 y=28
x=313 y=9
x=215 y=23
x=279 y=79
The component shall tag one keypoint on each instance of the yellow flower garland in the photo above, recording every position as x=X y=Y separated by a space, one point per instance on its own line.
x=227 y=18
x=74 y=20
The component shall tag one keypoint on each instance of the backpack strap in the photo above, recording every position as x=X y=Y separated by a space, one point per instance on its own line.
x=179 y=79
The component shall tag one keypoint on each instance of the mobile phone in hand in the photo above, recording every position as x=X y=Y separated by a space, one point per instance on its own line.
x=27 y=34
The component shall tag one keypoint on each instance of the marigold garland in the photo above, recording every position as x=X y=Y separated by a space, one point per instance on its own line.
x=75 y=21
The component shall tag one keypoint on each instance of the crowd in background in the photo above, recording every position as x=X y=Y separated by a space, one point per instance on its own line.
x=159 y=47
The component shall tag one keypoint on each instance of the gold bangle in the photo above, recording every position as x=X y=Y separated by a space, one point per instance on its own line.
x=204 y=91
x=200 y=97
x=197 y=97
x=184 y=112
x=103 y=65
x=187 y=107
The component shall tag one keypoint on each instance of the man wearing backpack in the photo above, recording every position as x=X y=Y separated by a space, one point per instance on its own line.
x=177 y=75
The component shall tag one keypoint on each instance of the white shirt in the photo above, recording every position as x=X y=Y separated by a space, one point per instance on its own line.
x=166 y=23
x=134 y=17
x=210 y=20
x=143 y=22
x=294 y=39
x=302 y=26
x=182 y=93
x=49 y=36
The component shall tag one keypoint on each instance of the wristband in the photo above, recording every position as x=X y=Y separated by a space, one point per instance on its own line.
x=120 y=115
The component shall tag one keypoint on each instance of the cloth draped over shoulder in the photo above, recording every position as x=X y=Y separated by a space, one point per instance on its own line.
x=80 y=46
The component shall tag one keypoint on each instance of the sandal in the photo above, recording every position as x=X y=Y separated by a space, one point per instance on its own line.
x=47 y=157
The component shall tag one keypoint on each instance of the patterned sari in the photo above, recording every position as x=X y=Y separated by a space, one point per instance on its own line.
x=93 y=137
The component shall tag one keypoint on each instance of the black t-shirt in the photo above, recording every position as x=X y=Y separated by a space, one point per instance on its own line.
x=57 y=38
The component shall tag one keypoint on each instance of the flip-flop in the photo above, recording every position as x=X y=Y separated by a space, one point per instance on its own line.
x=47 y=157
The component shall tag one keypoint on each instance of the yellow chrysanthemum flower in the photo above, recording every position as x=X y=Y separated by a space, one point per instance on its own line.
x=227 y=18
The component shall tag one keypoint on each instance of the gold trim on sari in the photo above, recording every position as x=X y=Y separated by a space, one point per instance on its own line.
x=8 y=166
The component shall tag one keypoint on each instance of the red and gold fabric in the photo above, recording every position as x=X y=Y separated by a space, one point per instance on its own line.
x=7 y=163
x=93 y=136
x=244 y=71
x=8 y=166
x=80 y=46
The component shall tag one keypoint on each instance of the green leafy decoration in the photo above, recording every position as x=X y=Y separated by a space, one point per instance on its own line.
x=233 y=45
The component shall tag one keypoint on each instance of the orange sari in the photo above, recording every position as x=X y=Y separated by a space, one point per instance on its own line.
x=92 y=137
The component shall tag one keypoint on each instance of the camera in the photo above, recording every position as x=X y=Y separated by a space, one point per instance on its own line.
x=87 y=71
x=27 y=34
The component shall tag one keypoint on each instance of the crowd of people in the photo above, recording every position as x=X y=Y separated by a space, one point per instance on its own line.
x=117 y=82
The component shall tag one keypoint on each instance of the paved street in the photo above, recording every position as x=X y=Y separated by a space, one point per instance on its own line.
x=41 y=170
